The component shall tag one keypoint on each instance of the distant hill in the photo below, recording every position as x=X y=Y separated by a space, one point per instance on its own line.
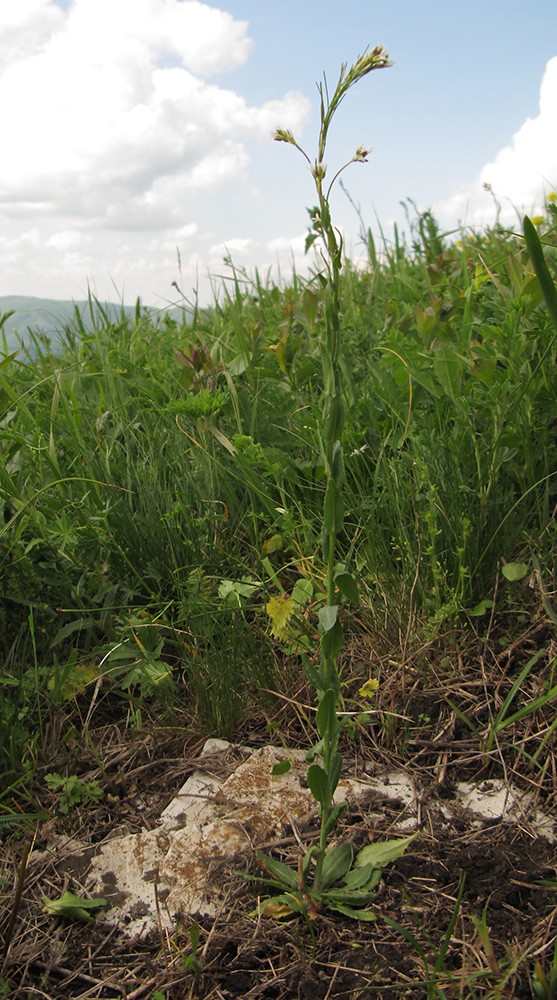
x=49 y=315
x=44 y=315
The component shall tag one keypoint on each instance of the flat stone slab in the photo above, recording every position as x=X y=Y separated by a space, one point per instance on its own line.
x=150 y=876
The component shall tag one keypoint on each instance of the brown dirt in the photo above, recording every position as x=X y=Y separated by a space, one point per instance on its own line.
x=506 y=869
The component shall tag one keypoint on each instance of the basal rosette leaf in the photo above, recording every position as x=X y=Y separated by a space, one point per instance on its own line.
x=383 y=853
x=336 y=863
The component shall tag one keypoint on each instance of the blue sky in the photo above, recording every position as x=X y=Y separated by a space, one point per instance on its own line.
x=141 y=126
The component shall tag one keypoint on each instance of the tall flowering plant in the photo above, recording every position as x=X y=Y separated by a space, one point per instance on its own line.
x=321 y=868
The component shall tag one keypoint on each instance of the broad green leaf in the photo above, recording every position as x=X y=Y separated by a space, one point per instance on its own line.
x=273 y=544
x=282 y=768
x=348 y=587
x=327 y=617
x=514 y=571
x=284 y=906
x=424 y=378
x=383 y=853
x=73 y=907
x=310 y=304
x=448 y=369
x=481 y=608
x=282 y=873
x=336 y=863
x=326 y=719
x=303 y=591
x=319 y=785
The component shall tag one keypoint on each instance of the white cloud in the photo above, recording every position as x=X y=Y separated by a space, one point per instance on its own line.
x=100 y=131
x=237 y=247
x=521 y=174
x=65 y=239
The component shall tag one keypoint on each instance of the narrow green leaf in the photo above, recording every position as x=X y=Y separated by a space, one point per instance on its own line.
x=331 y=642
x=314 y=752
x=311 y=673
x=73 y=907
x=335 y=768
x=334 y=817
x=383 y=853
x=344 y=896
x=306 y=863
x=337 y=465
x=326 y=719
x=281 y=872
x=194 y=936
x=66 y=630
x=529 y=709
x=329 y=507
x=348 y=911
x=547 y=285
x=362 y=878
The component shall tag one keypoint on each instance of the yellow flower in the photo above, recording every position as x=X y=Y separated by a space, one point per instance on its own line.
x=368 y=689
x=538 y=220
x=552 y=196
x=280 y=610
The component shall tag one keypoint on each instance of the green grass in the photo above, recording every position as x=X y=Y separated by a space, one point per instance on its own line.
x=160 y=481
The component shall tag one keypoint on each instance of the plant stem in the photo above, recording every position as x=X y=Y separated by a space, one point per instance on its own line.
x=330 y=433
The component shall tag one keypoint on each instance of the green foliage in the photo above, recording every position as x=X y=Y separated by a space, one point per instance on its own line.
x=323 y=778
x=74 y=907
x=346 y=884
x=146 y=463
x=73 y=791
x=544 y=980
x=191 y=962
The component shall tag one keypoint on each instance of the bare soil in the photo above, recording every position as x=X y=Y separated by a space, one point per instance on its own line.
x=508 y=870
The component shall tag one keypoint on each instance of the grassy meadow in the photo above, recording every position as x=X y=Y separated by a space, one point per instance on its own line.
x=162 y=481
